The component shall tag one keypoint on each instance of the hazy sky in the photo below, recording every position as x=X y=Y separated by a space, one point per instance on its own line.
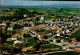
x=30 y=3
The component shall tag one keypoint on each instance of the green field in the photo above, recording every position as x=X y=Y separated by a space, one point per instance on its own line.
x=66 y=53
x=77 y=35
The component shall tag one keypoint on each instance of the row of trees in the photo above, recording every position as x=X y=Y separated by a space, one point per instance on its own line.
x=18 y=14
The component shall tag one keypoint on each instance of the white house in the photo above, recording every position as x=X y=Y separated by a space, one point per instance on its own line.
x=25 y=28
x=25 y=15
x=64 y=47
x=17 y=42
x=58 y=34
x=76 y=24
x=14 y=38
x=54 y=40
x=63 y=32
x=42 y=18
x=67 y=31
x=62 y=40
x=58 y=31
x=3 y=24
x=10 y=28
x=58 y=27
x=51 y=24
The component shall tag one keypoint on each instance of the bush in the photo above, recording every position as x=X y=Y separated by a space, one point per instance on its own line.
x=16 y=26
x=11 y=49
x=66 y=53
x=76 y=35
x=10 y=42
x=51 y=40
x=50 y=46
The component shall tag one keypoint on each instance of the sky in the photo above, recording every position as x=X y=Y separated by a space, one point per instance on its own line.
x=34 y=3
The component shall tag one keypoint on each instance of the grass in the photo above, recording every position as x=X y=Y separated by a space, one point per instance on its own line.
x=49 y=46
x=32 y=42
x=77 y=35
x=66 y=53
x=10 y=42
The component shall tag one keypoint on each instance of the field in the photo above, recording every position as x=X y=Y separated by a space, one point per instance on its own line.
x=49 y=12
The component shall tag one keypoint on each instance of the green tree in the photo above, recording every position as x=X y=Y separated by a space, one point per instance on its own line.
x=36 y=20
x=26 y=35
x=16 y=26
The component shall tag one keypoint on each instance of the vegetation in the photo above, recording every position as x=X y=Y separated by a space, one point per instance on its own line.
x=26 y=35
x=66 y=53
x=32 y=42
x=10 y=42
x=49 y=46
x=13 y=15
x=77 y=35
x=17 y=14
x=51 y=13
x=12 y=49
x=16 y=26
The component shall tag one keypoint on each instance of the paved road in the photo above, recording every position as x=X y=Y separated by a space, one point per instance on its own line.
x=51 y=52
x=51 y=38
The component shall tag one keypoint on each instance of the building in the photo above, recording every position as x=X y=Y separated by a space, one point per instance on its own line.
x=17 y=43
x=58 y=34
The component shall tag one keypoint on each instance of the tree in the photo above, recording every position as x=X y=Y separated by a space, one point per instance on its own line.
x=26 y=35
x=34 y=12
x=36 y=20
x=58 y=41
x=16 y=26
x=2 y=36
x=45 y=37
x=7 y=25
x=37 y=46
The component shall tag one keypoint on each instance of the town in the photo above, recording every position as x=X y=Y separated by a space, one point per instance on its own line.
x=32 y=33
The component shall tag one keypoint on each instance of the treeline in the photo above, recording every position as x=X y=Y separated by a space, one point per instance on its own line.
x=18 y=14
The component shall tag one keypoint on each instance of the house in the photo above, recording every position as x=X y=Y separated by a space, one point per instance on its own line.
x=25 y=15
x=10 y=28
x=61 y=28
x=25 y=49
x=63 y=32
x=33 y=28
x=58 y=34
x=74 y=41
x=33 y=25
x=40 y=37
x=76 y=24
x=53 y=27
x=42 y=18
x=57 y=27
x=57 y=30
x=25 y=28
x=51 y=24
x=17 y=43
x=67 y=31
x=3 y=24
x=70 y=43
x=62 y=40
x=15 y=37
x=64 y=47
x=54 y=40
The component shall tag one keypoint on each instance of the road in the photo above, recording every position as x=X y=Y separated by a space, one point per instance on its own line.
x=51 y=38
x=51 y=52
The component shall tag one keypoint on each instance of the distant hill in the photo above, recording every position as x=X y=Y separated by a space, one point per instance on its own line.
x=53 y=5
x=66 y=5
